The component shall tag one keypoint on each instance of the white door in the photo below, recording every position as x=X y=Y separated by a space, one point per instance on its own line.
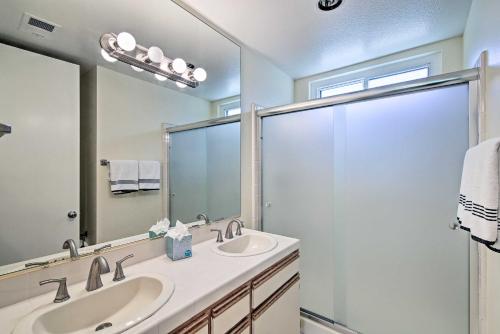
x=39 y=160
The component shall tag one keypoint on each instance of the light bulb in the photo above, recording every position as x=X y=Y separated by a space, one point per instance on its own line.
x=200 y=74
x=107 y=57
x=155 y=54
x=137 y=69
x=180 y=84
x=179 y=65
x=160 y=77
x=126 y=41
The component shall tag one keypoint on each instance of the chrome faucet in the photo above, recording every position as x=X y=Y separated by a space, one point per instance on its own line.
x=229 y=229
x=99 y=266
x=204 y=217
x=73 y=250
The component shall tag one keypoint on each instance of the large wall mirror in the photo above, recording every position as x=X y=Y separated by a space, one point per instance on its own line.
x=84 y=111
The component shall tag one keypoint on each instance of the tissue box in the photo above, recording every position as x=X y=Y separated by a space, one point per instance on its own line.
x=179 y=249
x=153 y=235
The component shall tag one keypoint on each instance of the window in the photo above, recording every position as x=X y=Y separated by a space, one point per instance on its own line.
x=395 y=78
x=397 y=71
x=230 y=108
x=233 y=111
x=343 y=88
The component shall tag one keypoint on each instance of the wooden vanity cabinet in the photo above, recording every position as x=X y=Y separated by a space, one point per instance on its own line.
x=267 y=304
x=199 y=324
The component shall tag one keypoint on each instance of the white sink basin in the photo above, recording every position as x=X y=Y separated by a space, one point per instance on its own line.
x=123 y=304
x=246 y=245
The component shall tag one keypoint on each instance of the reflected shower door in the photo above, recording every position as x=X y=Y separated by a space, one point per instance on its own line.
x=389 y=173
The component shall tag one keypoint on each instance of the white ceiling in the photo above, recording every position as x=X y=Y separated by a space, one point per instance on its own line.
x=153 y=22
x=302 y=40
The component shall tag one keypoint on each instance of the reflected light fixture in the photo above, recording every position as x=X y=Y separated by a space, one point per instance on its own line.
x=107 y=57
x=327 y=5
x=123 y=47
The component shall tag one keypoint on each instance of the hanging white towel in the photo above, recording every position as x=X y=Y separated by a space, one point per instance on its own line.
x=478 y=202
x=123 y=176
x=149 y=175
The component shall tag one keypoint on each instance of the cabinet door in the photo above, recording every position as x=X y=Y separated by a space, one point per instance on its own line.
x=230 y=310
x=39 y=169
x=270 y=280
x=280 y=313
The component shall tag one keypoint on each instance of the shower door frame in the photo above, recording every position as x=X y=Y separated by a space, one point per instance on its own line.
x=475 y=79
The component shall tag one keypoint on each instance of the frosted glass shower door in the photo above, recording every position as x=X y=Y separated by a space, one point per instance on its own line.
x=297 y=181
x=370 y=188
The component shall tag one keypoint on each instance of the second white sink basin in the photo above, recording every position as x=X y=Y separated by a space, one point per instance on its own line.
x=246 y=245
x=116 y=308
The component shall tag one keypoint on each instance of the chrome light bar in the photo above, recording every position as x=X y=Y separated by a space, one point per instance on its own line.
x=139 y=58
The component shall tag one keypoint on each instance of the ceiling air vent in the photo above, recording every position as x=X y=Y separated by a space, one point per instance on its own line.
x=37 y=26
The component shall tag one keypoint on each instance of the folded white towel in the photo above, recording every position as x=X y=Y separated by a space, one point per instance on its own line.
x=123 y=176
x=478 y=202
x=149 y=175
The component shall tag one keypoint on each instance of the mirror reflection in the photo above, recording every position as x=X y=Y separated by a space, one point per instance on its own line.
x=204 y=173
x=83 y=91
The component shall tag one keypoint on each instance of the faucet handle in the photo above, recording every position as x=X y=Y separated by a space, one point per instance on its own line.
x=99 y=249
x=119 y=275
x=62 y=292
x=219 y=234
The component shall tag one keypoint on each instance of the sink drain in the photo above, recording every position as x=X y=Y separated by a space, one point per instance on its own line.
x=103 y=326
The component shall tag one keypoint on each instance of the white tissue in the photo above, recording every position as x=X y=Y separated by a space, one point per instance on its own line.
x=160 y=226
x=179 y=231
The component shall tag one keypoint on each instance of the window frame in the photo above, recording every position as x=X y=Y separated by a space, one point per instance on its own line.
x=339 y=85
x=433 y=61
x=225 y=107
x=408 y=70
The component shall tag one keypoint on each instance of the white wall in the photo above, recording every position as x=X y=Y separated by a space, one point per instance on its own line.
x=482 y=32
x=128 y=115
x=450 y=59
x=266 y=85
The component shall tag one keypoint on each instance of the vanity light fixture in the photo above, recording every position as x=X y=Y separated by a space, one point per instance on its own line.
x=327 y=5
x=123 y=47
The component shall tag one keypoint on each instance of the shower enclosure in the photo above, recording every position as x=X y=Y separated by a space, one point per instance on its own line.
x=369 y=183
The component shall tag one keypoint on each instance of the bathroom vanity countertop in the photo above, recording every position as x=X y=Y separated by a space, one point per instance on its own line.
x=199 y=281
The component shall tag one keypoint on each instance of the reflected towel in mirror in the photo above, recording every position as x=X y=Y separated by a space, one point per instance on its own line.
x=149 y=175
x=123 y=176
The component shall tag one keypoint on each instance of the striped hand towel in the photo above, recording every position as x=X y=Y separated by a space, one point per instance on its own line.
x=478 y=202
x=123 y=176
x=149 y=175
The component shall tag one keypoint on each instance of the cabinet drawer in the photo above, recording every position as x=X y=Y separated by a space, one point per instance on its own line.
x=199 y=324
x=243 y=327
x=266 y=283
x=280 y=313
x=231 y=310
